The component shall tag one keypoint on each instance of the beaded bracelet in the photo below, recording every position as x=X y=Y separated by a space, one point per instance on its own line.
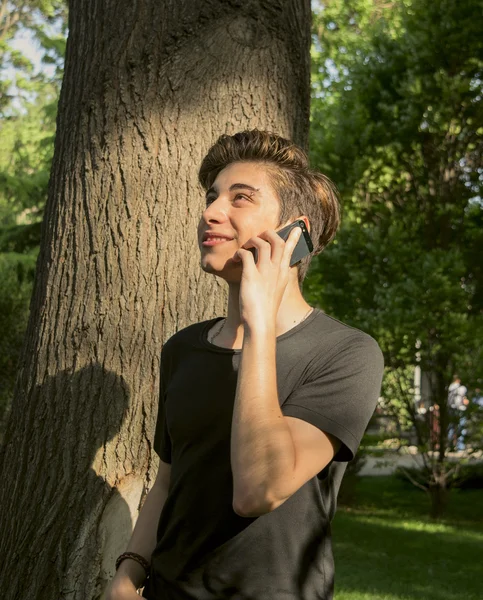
x=137 y=557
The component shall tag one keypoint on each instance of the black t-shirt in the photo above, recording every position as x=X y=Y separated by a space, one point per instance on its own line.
x=328 y=374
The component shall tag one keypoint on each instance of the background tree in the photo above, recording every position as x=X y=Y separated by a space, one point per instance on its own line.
x=147 y=89
x=398 y=123
x=28 y=104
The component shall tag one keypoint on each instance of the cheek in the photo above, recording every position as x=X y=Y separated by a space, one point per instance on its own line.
x=255 y=228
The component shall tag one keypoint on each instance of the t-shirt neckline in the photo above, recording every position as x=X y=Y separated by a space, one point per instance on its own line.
x=214 y=348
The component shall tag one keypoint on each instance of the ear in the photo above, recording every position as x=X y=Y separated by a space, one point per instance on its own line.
x=306 y=221
x=303 y=218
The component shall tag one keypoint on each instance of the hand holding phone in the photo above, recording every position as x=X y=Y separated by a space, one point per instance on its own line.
x=304 y=245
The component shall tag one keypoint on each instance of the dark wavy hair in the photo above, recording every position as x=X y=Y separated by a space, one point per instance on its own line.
x=300 y=190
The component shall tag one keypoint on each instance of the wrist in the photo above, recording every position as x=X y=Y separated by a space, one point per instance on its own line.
x=131 y=571
x=261 y=328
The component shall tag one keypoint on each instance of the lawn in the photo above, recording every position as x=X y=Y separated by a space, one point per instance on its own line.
x=387 y=548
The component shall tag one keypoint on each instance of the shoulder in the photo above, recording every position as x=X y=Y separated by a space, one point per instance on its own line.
x=342 y=338
x=176 y=348
x=187 y=335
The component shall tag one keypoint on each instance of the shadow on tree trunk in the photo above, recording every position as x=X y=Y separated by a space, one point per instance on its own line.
x=58 y=509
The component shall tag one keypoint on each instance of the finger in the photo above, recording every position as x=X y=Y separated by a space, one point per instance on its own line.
x=247 y=259
x=295 y=235
x=277 y=244
x=263 y=249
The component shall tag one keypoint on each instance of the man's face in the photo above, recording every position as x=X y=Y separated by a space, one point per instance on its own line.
x=240 y=204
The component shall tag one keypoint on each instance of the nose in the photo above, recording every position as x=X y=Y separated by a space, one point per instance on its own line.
x=215 y=212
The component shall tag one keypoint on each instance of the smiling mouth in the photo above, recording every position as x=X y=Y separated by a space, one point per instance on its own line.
x=215 y=241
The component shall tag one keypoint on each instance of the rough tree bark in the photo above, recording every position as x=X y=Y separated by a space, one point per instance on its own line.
x=148 y=87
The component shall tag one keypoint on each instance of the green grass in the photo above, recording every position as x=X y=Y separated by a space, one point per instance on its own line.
x=387 y=548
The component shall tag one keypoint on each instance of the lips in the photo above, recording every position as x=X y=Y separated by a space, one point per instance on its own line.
x=212 y=241
x=209 y=235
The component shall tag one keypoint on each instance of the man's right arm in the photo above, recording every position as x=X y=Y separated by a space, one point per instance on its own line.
x=131 y=575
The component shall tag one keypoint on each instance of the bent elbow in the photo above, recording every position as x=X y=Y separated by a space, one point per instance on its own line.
x=251 y=508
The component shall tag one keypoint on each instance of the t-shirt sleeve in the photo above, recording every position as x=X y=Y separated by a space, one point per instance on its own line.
x=339 y=395
x=162 y=441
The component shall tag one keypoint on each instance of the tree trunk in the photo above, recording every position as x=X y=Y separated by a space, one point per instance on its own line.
x=439 y=496
x=148 y=87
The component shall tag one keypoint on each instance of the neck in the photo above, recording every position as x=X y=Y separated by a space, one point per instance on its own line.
x=293 y=309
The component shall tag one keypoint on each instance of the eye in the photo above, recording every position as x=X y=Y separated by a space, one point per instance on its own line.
x=237 y=196
x=242 y=196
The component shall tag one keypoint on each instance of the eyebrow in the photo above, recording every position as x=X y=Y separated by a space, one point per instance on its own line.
x=234 y=186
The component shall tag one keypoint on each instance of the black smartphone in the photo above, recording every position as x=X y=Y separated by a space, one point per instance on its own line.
x=304 y=245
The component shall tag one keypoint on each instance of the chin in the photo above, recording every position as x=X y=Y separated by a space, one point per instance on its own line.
x=208 y=269
x=220 y=270
x=211 y=266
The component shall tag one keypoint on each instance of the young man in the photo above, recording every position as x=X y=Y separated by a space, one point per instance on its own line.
x=260 y=411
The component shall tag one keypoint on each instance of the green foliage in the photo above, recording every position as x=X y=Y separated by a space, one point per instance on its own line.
x=399 y=129
x=28 y=106
x=44 y=23
x=16 y=280
x=25 y=158
x=397 y=122
x=470 y=477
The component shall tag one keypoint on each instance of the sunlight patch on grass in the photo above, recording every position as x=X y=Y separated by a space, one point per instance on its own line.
x=421 y=526
x=386 y=546
x=343 y=595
